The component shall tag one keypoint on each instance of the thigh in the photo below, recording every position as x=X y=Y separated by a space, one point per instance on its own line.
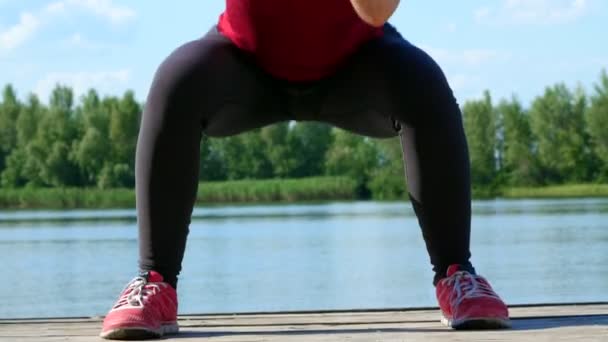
x=213 y=82
x=387 y=82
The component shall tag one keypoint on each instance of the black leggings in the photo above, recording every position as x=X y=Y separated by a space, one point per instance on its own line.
x=387 y=88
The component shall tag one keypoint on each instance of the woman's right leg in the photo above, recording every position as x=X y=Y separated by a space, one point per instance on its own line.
x=207 y=86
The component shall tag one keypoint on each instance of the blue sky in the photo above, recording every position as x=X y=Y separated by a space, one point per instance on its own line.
x=506 y=46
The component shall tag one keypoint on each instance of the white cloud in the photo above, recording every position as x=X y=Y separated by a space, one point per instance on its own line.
x=19 y=33
x=81 y=82
x=451 y=28
x=30 y=23
x=482 y=13
x=540 y=12
x=55 y=8
x=104 y=8
x=80 y=41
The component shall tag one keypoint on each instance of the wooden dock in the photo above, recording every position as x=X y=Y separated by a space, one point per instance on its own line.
x=571 y=322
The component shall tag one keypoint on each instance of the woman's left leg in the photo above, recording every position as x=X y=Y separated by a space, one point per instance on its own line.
x=389 y=87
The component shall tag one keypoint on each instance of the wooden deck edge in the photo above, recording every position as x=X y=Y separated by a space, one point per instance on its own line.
x=80 y=319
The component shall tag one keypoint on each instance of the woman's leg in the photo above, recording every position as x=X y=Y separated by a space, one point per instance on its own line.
x=208 y=87
x=391 y=84
x=391 y=87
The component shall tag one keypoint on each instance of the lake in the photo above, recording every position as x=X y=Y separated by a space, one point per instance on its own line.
x=351 y=255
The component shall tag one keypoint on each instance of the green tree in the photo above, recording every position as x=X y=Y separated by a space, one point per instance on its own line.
x=519 y=162
x=15 y=173
x=124 y=115
x=116 y=176
x=27 y=122
x=388 y=178
x=353 y=156
x=277 y=148
x=254 y=157
x=480 y=127
x=9 y=112
x=309 y=143
x=597 y=122
x=35 y=159
x=92 y=151
x=245 y=156
x=212 y=165
x=51 y=150
x=124 y=127
x=557 y=121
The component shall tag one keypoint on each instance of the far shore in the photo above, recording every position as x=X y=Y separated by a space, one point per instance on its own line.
x=319 y=189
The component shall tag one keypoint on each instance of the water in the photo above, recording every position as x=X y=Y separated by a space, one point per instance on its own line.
x=302 y=257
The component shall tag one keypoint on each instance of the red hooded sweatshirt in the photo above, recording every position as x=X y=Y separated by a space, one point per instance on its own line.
x=296 y=40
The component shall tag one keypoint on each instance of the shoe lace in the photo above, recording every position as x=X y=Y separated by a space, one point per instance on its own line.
x=137 y=292
x=467 y=285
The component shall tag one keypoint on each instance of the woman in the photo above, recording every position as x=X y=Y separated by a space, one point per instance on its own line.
x=269 y=61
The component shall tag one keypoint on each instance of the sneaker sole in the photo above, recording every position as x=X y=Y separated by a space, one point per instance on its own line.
x=477 y=323
x=140 y=333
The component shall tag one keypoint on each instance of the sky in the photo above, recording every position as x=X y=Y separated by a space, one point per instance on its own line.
x=510 y=47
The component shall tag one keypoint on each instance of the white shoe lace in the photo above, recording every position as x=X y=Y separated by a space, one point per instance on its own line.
x=467 y=285
x=136 y=293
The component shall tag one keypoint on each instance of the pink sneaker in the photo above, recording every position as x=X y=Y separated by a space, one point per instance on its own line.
x=467 y=301
x=147 y=308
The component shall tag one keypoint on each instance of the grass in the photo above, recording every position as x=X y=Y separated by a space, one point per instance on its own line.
x=557 y=191
x=278 y=190
x=243 y=191
x=66 y=198
x=256 y=191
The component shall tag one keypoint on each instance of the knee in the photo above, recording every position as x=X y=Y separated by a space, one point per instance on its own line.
x=414 y=70
x=429 y=78
x=428 y=93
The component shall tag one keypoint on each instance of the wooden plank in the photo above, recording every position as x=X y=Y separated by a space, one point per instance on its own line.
x=538 y=323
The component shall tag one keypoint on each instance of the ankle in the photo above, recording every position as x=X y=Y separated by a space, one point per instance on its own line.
x=441 y=272
x=167 y=278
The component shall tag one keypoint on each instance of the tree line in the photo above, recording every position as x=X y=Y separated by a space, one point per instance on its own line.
x=90 y=142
